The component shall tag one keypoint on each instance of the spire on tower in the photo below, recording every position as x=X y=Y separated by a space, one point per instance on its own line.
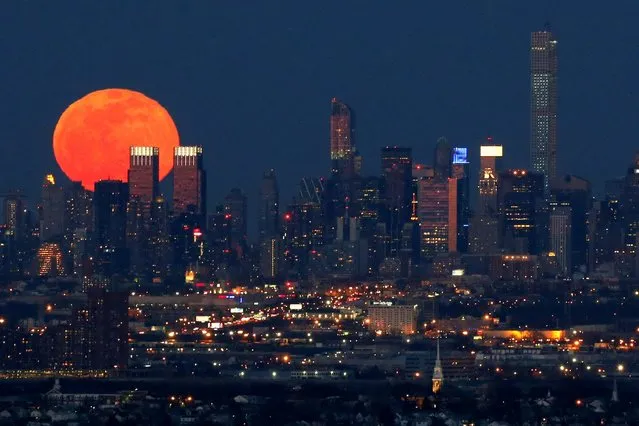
x=438 y=374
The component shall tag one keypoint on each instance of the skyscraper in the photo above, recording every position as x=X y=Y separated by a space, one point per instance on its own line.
x=437 y=212
x=189 y=180
x=144 y=171
x=484 y=227
x=13 y=208
x=51 y=210
x=341 y=138
x=101 y=330
x=461 y=172
x=577 y=193
x=521 y=211
x=560 y=235
x=143 y=177
x=269 y=208
x=110 y=212
x=235 y=205
x=78 y=222
x=543 y=105
x=397 y=191
x=489 y=177
x=443 y=159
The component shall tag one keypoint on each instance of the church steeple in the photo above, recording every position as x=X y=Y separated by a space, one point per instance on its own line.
x=438 y=374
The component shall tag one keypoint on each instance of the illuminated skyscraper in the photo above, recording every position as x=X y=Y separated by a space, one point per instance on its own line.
x=144 y=182
x=484 y=226
x=144 y=172
x=51 y=210
x=341 y=137
x=189 y=180
x=543 y=105
x=488 y=177
x=437 y=212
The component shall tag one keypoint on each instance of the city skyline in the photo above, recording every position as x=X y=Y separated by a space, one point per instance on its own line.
x=396 y=110
x=319 y=213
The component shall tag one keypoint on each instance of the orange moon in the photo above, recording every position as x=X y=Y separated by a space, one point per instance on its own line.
x=92 y=138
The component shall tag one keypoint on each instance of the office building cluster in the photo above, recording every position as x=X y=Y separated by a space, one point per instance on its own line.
x=411 y=219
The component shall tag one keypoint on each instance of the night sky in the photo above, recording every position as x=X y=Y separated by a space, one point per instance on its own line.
x=252 y=81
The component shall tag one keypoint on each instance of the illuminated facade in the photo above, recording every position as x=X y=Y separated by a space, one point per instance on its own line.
x=144 y=171
x=392 y=319
x=189 y=180
x=489 y=177
x=484 y=226
x=50 y=260
x=341 y=138
x=437 y=213
x=543 y=105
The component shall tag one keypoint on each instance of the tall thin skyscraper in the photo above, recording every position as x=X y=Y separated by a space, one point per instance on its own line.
x=543 y=105
x=144 y=185
x=341 y=138
x=269 y=209
x=397 y=176
x=189 y=180
x=461 y=172
x=560 y=235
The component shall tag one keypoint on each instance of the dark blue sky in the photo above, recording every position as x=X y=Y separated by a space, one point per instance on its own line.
x=251 y=81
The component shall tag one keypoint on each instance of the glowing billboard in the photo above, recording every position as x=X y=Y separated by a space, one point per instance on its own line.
x=460 y=155
x=491 y=151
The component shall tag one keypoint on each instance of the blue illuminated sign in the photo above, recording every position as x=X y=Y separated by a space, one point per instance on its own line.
x=460 y=155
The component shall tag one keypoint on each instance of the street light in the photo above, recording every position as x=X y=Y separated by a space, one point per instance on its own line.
x=620 y=368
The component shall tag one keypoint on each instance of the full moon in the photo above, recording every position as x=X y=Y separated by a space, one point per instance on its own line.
x=92 y=138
